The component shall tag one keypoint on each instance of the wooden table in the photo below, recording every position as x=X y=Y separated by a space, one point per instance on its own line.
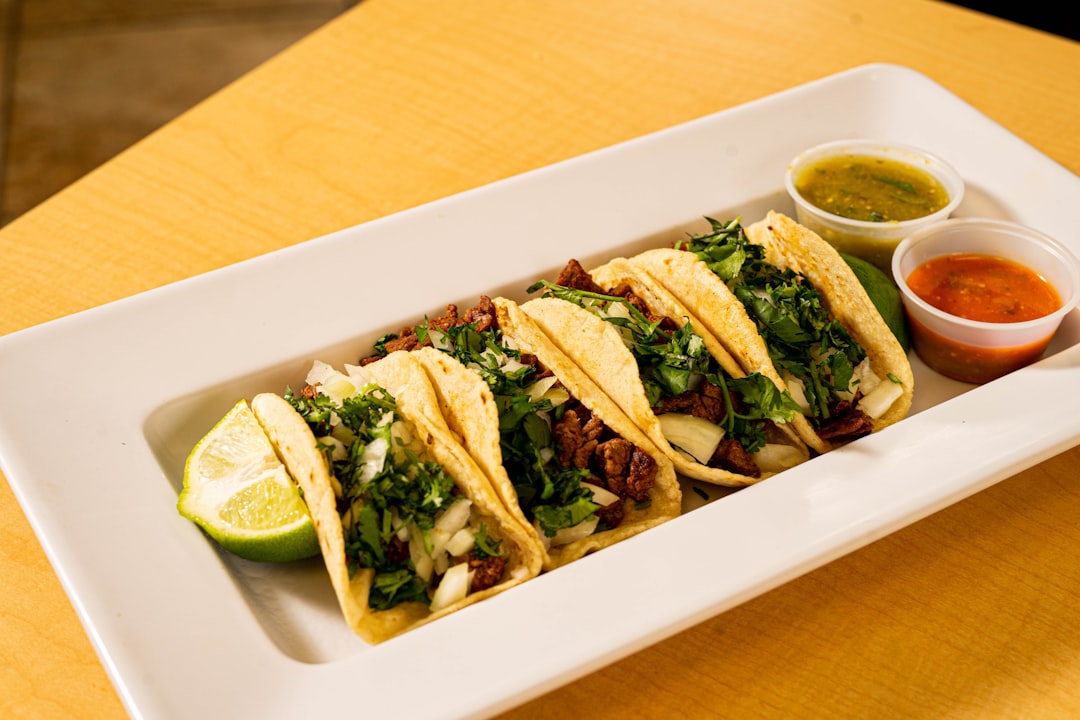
x=974 y=612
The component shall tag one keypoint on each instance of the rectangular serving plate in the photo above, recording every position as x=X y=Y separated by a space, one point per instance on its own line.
x=101 y=409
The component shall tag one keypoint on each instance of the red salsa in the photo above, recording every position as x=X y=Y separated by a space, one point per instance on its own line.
x=982 y=288
x=968 y=363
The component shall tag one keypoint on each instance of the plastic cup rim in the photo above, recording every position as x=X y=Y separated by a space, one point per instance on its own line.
x=941 y=170
x=1063 y=254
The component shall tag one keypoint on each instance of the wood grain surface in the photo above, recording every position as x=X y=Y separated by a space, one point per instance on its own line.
x=970 y=613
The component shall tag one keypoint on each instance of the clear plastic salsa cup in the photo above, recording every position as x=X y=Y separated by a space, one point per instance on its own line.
x=870 y=240
x=977 y=351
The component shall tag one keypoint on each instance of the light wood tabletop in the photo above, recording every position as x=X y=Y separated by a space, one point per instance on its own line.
x=972 y=612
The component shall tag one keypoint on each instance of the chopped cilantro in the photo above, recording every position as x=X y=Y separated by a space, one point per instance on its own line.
x=789 y=313
x=670 y=362
x=383 y=490
x=484 y=546
x=547 y=491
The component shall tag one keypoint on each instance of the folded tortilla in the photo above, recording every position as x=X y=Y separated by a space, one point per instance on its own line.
x=405 y=379
x=597 y=347
x=469 y=407
x=789 y=245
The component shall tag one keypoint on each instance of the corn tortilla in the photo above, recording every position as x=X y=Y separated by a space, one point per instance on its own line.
x=407 y=381
x=597 y=348
x=790 y=245
x=469 y=408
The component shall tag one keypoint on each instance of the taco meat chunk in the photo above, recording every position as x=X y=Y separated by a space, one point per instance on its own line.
x=731 y=455
x=486 y=571
x=574 y=275
x=482 y=315
x=616 y=464
x=846 y=423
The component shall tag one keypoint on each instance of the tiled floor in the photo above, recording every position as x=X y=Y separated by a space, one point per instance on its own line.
x=81 y=80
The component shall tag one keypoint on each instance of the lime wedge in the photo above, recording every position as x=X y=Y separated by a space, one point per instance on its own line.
x=238 y=491
x=884 y=294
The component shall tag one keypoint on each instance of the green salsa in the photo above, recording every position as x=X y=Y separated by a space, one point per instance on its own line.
x=874 y=189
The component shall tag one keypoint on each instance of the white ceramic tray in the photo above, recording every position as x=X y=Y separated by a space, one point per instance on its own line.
x=100 y=409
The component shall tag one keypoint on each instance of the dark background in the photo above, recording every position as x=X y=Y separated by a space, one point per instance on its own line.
x=1053 y=17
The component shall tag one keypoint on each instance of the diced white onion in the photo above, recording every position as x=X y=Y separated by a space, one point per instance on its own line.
x=616 y=310
x=359 y=377
x=436 y=540
x=881 y=398
x=557 y=396
x=320 y=372
x=460 y=542
x=419 y=555
x=695 y=436
x=694 y=381
x=402 y=437
x=373 y=459
x=439 y=339
x=441 y=562
x=862 y=379
x=545 y=389
x=338 y=389
x=453 y=587
x=455 y=517
x=403 y=532
x=866 y=378
x=425 y=568
x=506 y=363
x=341 y=433
x=796 y=389
x=338 y=451
x=601 y=496
x=582 y=530
x=541 y=386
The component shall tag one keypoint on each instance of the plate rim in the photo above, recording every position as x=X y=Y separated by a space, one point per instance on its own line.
x=31 y=479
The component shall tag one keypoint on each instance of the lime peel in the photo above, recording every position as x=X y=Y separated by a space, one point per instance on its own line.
x=238 y=491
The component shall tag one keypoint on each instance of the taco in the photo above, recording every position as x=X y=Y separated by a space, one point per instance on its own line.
x=565 y=460
x=409 y=527
x=645 y=350
x=786 y=305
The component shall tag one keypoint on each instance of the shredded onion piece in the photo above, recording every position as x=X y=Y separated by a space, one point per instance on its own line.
x=582 y=530
x=453 y=587
x=881 y=398
x=797 y=390
x=601 y=496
